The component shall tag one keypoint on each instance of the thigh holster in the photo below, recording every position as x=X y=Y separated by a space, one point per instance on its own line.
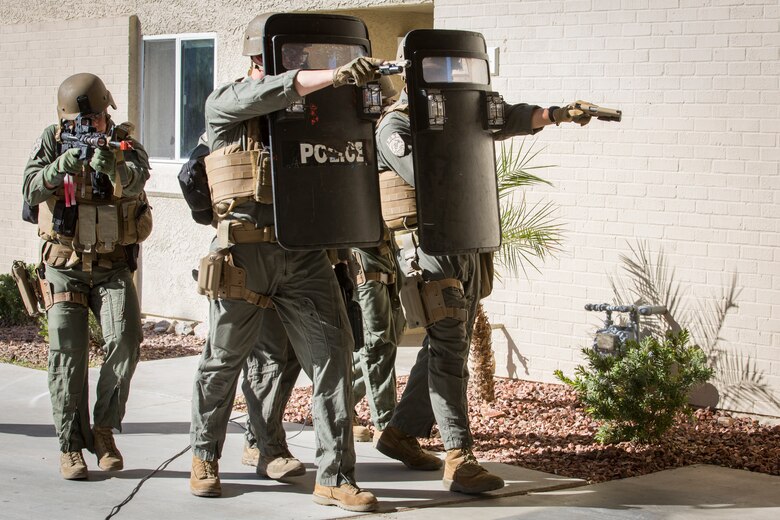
x=423 y=302
x=219 y=278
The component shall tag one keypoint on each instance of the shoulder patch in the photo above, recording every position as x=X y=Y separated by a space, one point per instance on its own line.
x=36 y=147
x=396 y=144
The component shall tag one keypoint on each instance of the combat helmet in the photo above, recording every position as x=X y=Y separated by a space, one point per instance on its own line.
x=82 y=93
x=253 y=35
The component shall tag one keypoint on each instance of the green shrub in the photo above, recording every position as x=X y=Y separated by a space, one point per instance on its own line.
x=638 y=393
x=12 y=310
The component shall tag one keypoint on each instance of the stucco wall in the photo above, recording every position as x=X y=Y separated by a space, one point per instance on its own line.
x=692 y=169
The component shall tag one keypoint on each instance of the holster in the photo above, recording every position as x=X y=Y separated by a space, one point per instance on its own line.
x=218 y=278
x=28 y=289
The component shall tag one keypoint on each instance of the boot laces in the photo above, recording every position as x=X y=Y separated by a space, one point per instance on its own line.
x=209 y=470
x=107 y=438
x=469 y=458
x=74 y=457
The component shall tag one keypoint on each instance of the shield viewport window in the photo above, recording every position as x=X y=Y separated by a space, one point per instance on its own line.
x=455 y=69
x=319 y=55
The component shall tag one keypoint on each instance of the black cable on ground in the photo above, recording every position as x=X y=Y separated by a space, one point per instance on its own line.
x=165 y=464
x=161 y=467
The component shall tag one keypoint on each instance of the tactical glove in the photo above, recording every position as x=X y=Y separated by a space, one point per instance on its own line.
x=569 y=114
x=357 y=72
x=104 y=161
x=67 y=162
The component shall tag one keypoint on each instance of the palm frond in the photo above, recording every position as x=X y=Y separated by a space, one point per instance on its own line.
x=529 y=234
x=513 y=167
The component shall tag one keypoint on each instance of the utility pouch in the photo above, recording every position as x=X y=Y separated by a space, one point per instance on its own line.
x=31 y=296
x=355 y=316
x=87 y=229
x=30 y=213
x=131 y=256
x=64 y=219
x=106 y=228
x=262 y=176
x=210 y=274
x=486 y=273
x=411 y=301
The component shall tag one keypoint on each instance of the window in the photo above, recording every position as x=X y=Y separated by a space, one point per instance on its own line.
x=319 y=55
x=454 y=69
x=178 y=76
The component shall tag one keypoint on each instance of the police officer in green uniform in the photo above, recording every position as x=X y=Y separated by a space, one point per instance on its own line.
x=373 y=365
x=92 y=212
x=248 y=273
x=436 y=391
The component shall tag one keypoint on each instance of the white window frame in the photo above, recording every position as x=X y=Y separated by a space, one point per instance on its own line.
x=177 y=87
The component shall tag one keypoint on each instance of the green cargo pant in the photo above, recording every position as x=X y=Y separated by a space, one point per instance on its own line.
x=114 y=301
x=308 y=300
x=436 y=390
x=270 y=373
x=373 y=366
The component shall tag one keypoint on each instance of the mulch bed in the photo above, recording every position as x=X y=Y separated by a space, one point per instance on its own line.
x=534 y=425
x=24 y=346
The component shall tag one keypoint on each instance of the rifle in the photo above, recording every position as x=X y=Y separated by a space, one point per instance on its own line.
x=605 y=114
x=86 y=138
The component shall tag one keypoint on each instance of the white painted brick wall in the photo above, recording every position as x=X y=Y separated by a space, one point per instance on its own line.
x=692 y=169
x=34 y=59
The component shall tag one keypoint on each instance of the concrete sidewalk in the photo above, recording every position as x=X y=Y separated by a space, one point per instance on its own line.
x=157 y=426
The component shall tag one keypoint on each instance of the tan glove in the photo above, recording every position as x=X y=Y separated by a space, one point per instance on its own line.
x=357 y=72
x=569 y=114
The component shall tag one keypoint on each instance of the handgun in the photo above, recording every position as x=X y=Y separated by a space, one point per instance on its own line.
x=394 y=67
x=605 y=114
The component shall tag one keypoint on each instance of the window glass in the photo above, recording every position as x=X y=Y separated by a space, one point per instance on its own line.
x=159 y=86
x=319 y=55
x=455 y=69
x=197 y=82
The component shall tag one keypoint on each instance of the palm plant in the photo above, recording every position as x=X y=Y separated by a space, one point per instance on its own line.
x=650 y=280
x=529 y=233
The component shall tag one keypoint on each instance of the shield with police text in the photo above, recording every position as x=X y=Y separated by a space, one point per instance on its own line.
x=325 y=181
x=453 y=115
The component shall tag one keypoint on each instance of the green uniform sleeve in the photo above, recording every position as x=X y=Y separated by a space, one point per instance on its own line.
x=517 y=121
x=232 y=104
x=394 y=146
x=137 y=170
x=44 y=152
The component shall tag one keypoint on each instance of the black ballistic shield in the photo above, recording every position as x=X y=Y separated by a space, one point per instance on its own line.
x=324 y=172
x=448 y=84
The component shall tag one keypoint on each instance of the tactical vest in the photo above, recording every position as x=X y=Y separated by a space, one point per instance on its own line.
x=240 y=172
x=98 y=226
x=399 y=205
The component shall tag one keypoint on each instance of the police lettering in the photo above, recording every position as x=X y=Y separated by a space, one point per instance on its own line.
x=313 y=154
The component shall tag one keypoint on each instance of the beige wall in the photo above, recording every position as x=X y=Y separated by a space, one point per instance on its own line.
x=177 y=243
x=34 y=59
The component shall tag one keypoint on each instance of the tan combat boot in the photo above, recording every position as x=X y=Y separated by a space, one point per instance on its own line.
x=463 y=474
x=280 y=466
x=346 y=496
x=360 y=432
x=251 y=455
x=204 y=479
x=108 y=456
x=72 y=465
x=377 y=435
x=397 y=445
